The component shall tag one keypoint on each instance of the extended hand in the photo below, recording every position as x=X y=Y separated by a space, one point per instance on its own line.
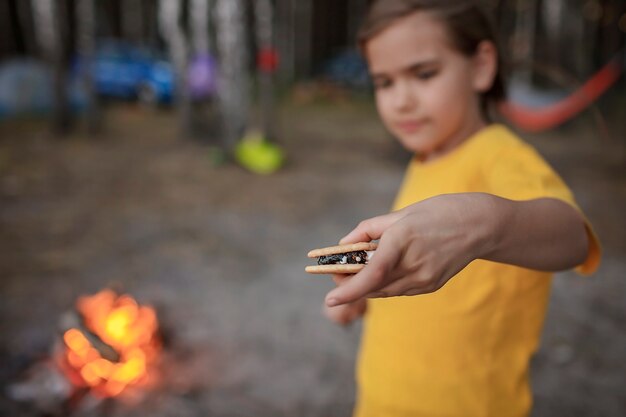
x=420 y=249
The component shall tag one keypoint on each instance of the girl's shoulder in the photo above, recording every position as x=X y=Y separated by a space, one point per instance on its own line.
x=498 y=136
x=497 y=143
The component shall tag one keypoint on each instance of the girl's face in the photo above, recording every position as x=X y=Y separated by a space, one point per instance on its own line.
x=428 y=93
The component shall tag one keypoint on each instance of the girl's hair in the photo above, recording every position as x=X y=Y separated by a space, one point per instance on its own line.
x=466 y=22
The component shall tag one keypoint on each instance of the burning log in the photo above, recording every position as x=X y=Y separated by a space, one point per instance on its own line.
x=72 y=322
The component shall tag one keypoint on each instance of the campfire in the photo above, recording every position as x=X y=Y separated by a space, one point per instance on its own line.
x=108 y=356
x=112 y=346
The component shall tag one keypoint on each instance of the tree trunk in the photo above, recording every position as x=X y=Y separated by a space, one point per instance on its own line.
x=150 y=19
x=169 y=19
x=233 y=89
x=524 y=35
x=85 y=10
x=49 y=18
x=25 y=14
x=132 y=21
x=285 y=43
x=356 y=14
x=199 y=15
x=264 y=22
x=303 y=12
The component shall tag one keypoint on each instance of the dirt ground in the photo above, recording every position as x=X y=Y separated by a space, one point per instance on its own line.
x=221 y=252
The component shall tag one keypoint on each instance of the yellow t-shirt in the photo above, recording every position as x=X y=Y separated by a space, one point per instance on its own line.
x=464 y=350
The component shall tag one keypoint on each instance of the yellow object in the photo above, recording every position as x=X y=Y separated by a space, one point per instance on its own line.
x=465 y=349
x=258 y=155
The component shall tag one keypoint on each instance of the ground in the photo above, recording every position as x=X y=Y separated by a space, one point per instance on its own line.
x=220 y=252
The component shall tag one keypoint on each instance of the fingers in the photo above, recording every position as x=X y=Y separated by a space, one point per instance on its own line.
x=345 y=314
x=404 y=286
x=370 y=279
x=340 y=279
x=370 y=229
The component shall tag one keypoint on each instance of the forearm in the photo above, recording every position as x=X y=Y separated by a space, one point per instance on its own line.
x=425 y=244
x=545 y=234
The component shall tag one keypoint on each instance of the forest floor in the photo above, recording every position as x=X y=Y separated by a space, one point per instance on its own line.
x=220 y=253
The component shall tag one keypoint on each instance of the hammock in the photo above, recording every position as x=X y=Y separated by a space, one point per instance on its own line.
x=540 y=119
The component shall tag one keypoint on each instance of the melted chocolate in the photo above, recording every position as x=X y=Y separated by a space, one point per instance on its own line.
x=350 y=258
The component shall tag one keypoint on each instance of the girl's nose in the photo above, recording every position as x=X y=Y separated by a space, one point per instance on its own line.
x=404 y=97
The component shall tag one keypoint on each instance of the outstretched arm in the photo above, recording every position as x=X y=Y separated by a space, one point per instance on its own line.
x=424 y=245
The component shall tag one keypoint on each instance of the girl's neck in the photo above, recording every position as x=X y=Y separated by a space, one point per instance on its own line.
x=466 y=131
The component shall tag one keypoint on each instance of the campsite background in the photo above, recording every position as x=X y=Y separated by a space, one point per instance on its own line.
x=190 y=153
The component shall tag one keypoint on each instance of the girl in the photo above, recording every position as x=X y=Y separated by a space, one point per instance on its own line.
x=477 y=224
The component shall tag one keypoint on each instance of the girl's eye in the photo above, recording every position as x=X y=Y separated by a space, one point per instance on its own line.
x=380 y=83
x=426 y=75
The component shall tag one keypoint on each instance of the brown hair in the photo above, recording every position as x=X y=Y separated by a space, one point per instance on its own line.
x=467 y=24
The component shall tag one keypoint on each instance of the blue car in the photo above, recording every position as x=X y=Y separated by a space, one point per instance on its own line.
x=126 y=71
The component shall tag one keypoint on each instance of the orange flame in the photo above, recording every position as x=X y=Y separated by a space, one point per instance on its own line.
x=128 y=328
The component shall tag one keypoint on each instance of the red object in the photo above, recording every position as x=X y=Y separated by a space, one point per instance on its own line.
x=267 y=59
x=536 y=120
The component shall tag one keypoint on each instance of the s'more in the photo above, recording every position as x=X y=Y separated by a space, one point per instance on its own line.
x=341 y=259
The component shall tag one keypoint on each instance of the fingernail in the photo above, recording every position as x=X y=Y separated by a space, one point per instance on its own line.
x=332 y=302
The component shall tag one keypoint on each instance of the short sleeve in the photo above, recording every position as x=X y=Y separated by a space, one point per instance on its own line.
x=520 y=173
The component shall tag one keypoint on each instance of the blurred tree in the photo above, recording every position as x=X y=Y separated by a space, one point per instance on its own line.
x=25 y=11
x=574 y=37
x=112 y=21
x=86 y=45
x=284 y=38
x=170 y=24
x=303 y=56
x=20 y=23
x=233 y=88
x=149 y=10
x=267 y=62
x=133 y=21
x=356 y=13
x=199 y=15
x=524 y=36
x=295 y=37
x=51 y=16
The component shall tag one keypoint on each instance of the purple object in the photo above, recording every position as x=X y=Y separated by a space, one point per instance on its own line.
x=202 y=76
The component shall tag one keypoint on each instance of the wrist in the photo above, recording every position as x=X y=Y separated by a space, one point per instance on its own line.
x=492 y=215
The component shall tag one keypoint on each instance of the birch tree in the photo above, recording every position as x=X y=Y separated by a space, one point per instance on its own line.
x=170 y=24
x=199 y=16
x=233 y=88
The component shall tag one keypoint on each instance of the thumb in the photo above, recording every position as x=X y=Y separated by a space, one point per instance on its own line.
x=370 y=229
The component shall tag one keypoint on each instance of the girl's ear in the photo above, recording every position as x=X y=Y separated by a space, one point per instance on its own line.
x=485 y=66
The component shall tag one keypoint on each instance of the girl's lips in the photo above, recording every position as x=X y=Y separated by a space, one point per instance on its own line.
x=410 y=126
